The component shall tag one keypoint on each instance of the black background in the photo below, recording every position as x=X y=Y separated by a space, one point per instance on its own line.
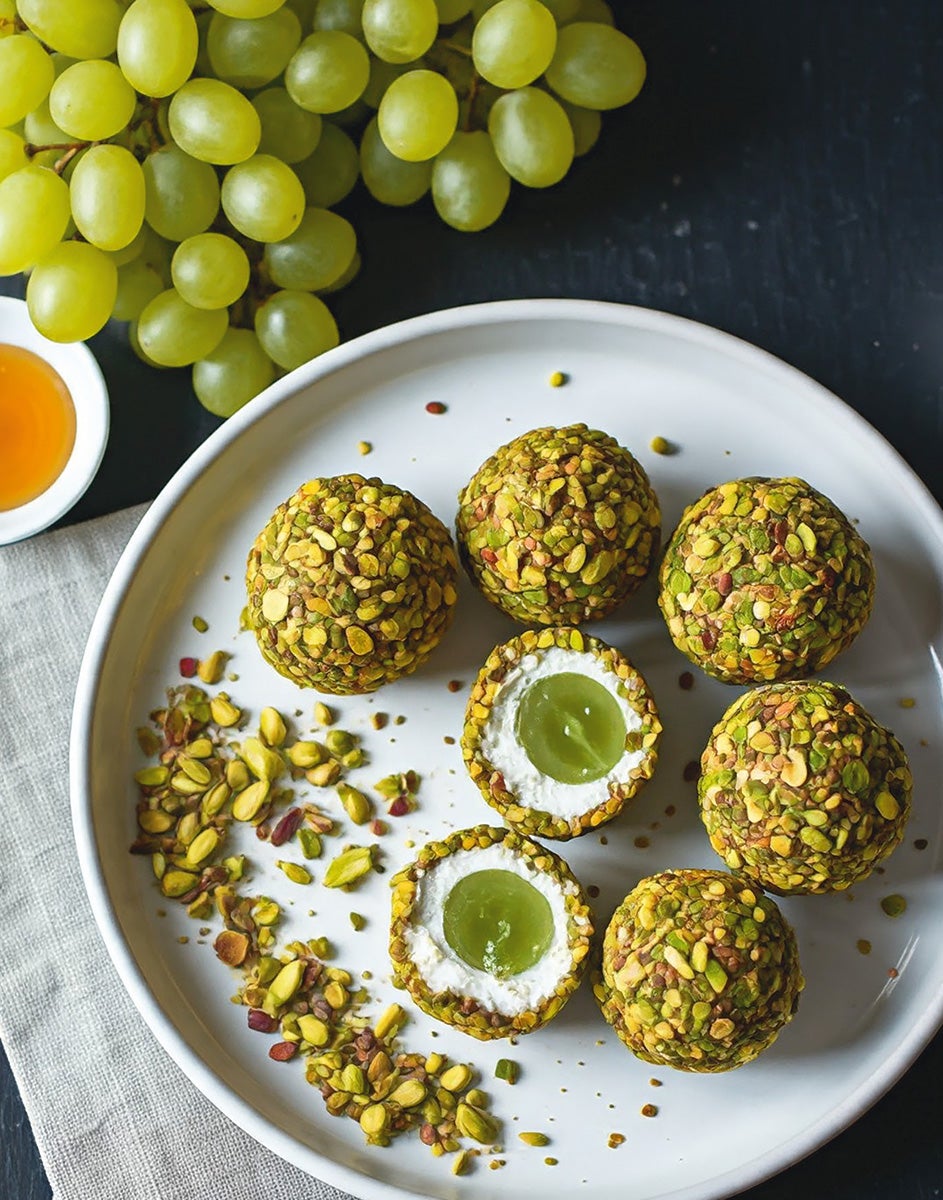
x=780 y=177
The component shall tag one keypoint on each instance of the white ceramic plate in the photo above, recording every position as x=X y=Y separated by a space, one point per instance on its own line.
x=733 y=411
x=79 y=371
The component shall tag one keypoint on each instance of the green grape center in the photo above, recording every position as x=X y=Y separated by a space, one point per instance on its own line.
x=571 y=727
x=497 y=922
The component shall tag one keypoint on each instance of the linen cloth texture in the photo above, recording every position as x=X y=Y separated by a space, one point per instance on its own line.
x=113 y=1116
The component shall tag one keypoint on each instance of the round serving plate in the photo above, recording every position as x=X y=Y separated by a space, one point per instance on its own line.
x=731 y=410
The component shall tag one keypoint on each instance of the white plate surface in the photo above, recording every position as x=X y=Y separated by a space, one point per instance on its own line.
x=734 y=411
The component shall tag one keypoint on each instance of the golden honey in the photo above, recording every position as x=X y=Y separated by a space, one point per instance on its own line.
x=37 y=426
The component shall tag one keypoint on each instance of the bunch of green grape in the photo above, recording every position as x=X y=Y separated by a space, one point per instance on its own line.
x=176 y=164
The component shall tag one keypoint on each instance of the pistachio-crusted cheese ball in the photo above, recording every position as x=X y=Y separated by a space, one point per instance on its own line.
x=560 y=732
x=489 y=932
x=801 y=789
x=699 y=971
x=351 y=584
x=765 y=579
x=559 y=526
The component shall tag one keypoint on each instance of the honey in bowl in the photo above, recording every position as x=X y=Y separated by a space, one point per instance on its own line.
x=37 y=426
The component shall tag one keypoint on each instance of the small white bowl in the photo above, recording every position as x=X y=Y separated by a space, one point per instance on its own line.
x=79 y=371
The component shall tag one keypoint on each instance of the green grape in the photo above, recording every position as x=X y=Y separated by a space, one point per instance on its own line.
x=40 y=129
x=514 y=43
x=451 y=11
x=107 y=189
x=382 y=75
x=212 y=121
x=563 y=10
x=210 y=270
x=175 y=334
x=596 y=66
x=329 y=174
x=349 y=275
x=13 y=153
x=387 y=178
x=532 y=137
x=469 y=186
x=304 y=10
x=294 y=327
x=353 y=116
x=263 y=199
x=7 y=18
x=157 y=45
x=400 y=31
x=34 y=214
x=80 y=28
x=203 y=66
x=134 y=248
x=316 y=255
x=27 y=73
x=592 y=10
x=232 y=374
x=418 y=115
x=480 y=7
x=250 y=54
x=344 y=15
x=136 y=347
x=181 y=194
x=71 y=292
x=586 y=124
x=138 y=284
x=92 y=100
x=327 y=72
x=248 y=10
x=288 y=132
x=61 y=62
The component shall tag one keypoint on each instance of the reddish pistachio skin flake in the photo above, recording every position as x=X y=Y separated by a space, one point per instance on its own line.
x=765 y=579
x=351 y=584
x=559 y=526
x=802 y=790
x=700 y=971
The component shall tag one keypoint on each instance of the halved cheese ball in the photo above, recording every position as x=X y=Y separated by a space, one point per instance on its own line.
x=489 y=932
x=560 y=731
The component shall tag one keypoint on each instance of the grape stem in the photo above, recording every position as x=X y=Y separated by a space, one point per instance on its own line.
x=70 y=148
x=447 y=45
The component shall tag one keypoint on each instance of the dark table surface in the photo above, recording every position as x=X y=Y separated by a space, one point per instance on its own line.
x=780 y=177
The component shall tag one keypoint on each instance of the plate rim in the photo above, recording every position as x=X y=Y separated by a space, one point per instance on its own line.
x=214 y=1089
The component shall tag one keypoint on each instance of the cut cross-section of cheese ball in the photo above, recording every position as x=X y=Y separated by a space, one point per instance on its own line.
x=700 y=971
x=559 y=526
x=489 y=932
x=801 y=789
x=351 y=584
x=765 y=579
x=560 y=732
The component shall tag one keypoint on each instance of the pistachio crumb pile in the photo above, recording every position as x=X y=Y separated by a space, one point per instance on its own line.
x=201 y=782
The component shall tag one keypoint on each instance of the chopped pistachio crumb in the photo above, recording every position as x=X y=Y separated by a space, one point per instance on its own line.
x=863 y=945
x=532 y=1138
x=551 y=1162
x=615 y=1140
x=649 y=1110
x=357 y=921
x=364 y=447
x=200 y=625
x=654 y=1082
x=661 y=445
x=908 y=702
x=558 y=379
x=894 y=905
x=507 y=1069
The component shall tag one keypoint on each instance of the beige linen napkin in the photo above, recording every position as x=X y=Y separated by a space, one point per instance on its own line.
x=112 y=1114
